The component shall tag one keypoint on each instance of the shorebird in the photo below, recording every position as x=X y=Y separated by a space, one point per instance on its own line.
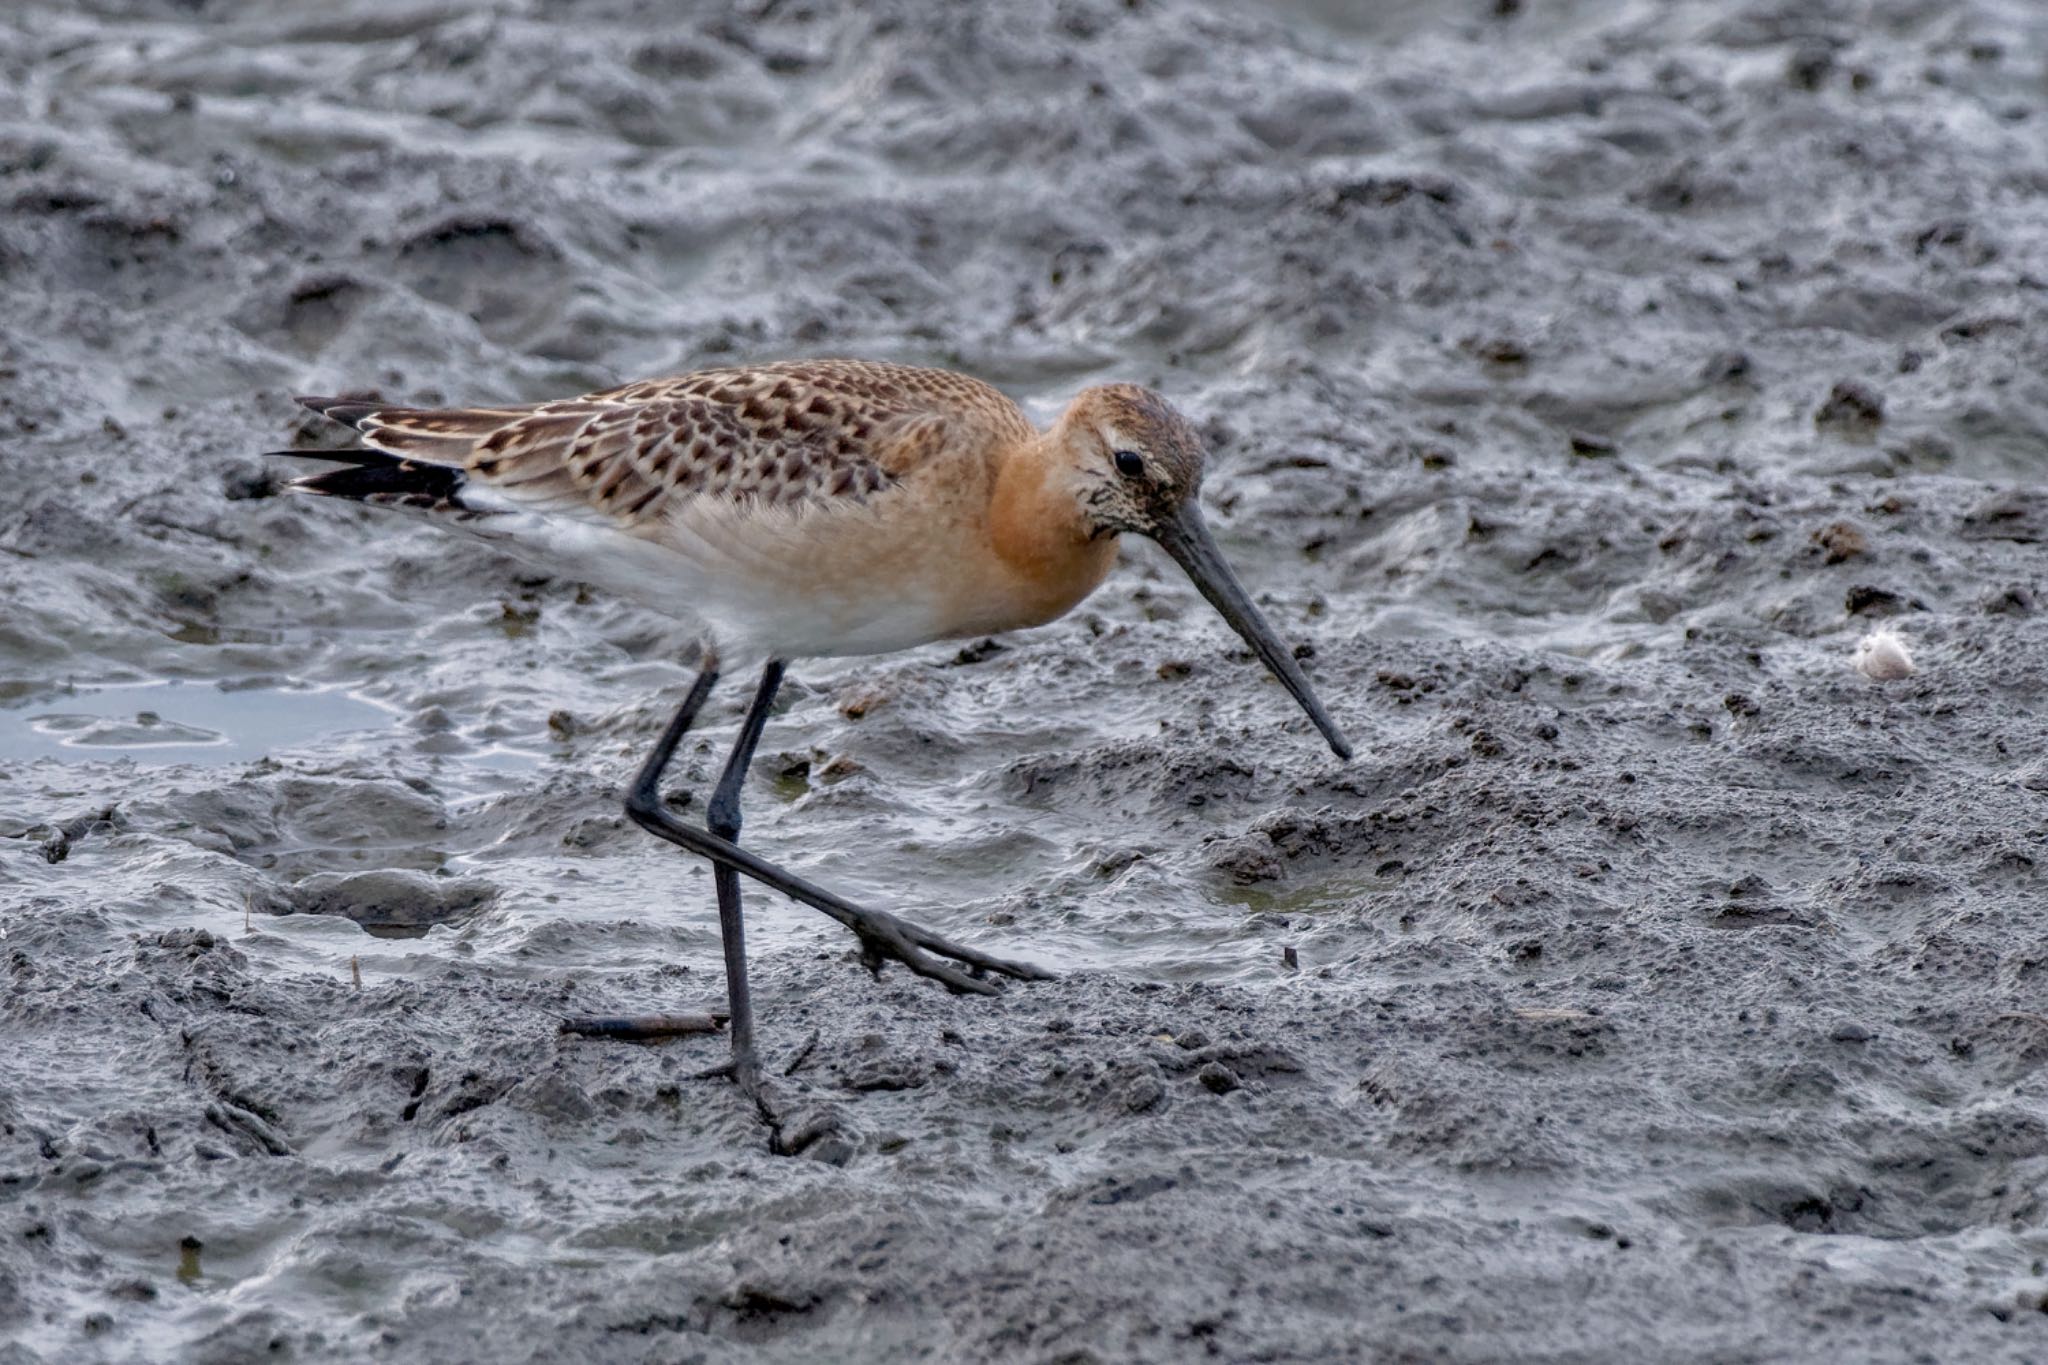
x=811 y=508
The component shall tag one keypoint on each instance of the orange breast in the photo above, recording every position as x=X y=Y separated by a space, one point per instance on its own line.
x=1041 y=556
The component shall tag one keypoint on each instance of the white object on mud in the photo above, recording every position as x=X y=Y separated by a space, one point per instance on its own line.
x=1882 y=655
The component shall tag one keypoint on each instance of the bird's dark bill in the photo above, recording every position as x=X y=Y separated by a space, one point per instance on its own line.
x=1187 y=539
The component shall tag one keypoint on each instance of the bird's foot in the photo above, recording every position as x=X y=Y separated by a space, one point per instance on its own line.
x=884 y=937
x=797 y=1124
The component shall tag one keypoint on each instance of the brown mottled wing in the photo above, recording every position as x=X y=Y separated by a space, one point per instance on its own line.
x=764 y=437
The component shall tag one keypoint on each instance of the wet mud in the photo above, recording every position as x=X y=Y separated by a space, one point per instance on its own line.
x=1584 y=382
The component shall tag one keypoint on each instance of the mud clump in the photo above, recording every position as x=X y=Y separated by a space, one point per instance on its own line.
x=392 y=903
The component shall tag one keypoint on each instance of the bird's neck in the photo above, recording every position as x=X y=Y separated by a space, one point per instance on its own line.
x=1038 y=531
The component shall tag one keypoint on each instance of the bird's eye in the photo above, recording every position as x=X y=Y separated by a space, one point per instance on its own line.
x=1129 y=463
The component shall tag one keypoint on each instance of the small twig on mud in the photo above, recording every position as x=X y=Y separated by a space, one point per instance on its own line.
x=2041 y=1019
x=642 y=1027
x=803 y=1054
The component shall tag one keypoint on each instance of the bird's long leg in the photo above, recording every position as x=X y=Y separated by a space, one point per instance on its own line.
x=722 y=818
x=722 y=815
x=793 y=1127
x=882 y=936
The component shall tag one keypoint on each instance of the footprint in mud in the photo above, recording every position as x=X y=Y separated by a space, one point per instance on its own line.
x=307 y=316
x=504 y=274
x=391 y=903
x=319 y=308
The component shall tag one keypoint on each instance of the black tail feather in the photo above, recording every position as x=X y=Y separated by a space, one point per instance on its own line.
x=377 y=477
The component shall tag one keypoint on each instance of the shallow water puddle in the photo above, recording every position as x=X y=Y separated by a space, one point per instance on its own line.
x=180 y=722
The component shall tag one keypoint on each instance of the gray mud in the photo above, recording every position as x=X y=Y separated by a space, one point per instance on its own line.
x=1584 y=380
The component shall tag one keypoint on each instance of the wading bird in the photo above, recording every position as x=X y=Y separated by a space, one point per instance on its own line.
x=828 y=507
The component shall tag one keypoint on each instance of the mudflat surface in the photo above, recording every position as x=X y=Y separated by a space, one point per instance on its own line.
x=1583 y=381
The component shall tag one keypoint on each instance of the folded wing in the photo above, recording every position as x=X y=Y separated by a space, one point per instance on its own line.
x=754 y=438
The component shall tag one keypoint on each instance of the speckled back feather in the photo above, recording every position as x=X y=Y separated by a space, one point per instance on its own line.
x=781 y=435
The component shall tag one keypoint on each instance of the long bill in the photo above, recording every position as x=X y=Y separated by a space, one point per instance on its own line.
x=1187 y=539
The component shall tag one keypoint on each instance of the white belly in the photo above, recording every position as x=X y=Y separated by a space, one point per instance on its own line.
x=778 y=585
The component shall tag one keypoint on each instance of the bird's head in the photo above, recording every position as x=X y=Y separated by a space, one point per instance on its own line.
x=1135 y=464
